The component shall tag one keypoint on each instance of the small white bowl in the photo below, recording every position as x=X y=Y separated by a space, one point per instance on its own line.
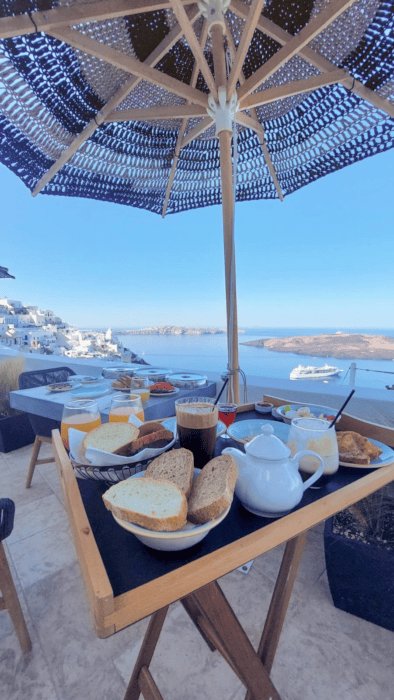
x=188 y=536
x=264 y=409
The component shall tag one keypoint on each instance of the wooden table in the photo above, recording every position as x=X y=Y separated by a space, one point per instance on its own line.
x=120 y=595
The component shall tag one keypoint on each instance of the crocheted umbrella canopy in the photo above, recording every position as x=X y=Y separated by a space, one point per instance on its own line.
x=5 y=274
x=154 y=103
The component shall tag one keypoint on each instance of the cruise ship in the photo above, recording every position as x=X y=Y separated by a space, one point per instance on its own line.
x=309 y=372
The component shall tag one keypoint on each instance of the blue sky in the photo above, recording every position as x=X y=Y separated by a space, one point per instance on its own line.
x=323 y=257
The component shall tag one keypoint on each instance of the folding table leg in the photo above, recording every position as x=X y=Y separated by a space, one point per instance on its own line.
x=233 y=642
x=148 y=647
x=280 y=602
x=194 y=613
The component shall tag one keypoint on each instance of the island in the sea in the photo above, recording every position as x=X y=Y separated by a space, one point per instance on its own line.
x=340 y=345
x=174 y=330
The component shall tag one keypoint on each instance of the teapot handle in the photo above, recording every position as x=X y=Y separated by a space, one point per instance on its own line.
x=314 y=476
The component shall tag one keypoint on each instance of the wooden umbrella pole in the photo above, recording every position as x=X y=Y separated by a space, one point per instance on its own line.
x=228 y=221
x=226 y=168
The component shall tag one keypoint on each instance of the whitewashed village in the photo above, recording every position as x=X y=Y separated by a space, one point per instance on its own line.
x=31 y=330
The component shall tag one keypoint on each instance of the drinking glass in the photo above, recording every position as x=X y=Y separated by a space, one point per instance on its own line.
x=227 y=413
x=316 y=435
x=140 y=386
x=123 y=406
x=80 y=414
x=197 y=418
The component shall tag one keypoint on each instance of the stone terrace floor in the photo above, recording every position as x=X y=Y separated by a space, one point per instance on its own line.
x=324 y=654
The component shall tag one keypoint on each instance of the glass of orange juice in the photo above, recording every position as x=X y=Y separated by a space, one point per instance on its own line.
x=141 y=387
x=79 y=414
x=123 y=406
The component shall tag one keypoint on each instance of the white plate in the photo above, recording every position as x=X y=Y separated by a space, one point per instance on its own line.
x=245 y=430
x=383 y=460
x=316 y=410
x=92 y=392
x=91 y=380
x=59 y=387
x=184 y=538
x=165 y=393
x=170 y=424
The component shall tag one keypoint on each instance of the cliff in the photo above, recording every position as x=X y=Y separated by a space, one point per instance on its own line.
x=341 y=345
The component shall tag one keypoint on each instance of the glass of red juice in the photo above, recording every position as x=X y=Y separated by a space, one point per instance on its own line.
x=227 y=413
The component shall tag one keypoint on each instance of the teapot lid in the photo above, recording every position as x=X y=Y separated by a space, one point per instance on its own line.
x=267 y=446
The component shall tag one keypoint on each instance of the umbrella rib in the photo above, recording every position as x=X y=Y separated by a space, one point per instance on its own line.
x=202 y=126
x=115 y=100
x=309 y=32
x=196 y=48
x=308 y=54
x=184 y=111
x=182 y=129
x=260 y=131
x=42 y=21
x=339 y=75
x=74 y=38
x=243 y=46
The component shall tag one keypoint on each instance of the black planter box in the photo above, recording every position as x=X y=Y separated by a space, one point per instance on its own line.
x=361 y=578
x=15 y=432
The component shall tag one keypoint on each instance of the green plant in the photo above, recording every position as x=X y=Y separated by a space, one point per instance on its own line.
x=10 y=370
x=371 y=520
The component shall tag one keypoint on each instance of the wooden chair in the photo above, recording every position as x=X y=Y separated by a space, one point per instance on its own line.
x=9 y=600
x=42 y=426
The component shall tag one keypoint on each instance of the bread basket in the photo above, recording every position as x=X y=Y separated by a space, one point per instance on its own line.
x=117 y=469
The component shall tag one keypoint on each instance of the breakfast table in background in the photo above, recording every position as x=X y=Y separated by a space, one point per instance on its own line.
x=41 y=402
x=126 y=581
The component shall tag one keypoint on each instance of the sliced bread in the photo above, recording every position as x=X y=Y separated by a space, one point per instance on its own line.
x=151 y=426
x=156 y=505
x=112 y=437
x=213 y=489
x=154 y=440
x=176 y=466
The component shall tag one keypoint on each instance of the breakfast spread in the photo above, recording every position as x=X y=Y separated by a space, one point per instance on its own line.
x=356 y=449
x=161 y=388
x=122 y=383
x=304 y=412
x=159 y=500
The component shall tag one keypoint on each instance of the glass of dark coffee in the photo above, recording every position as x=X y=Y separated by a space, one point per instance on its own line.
x=197 y=418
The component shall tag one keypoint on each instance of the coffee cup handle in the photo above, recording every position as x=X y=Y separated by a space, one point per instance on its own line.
x=314 y=476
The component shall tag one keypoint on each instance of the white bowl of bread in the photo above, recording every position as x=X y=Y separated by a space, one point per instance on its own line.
x=172 y=506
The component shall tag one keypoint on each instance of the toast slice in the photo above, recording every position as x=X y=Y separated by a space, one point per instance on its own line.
x=112 y=437
x=355 y=448
x=156 y=505
x=151 y=426
x=176 y=466
x=213 y=489
x=153 y=440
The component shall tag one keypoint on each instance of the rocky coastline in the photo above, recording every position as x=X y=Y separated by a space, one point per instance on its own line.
x=174 y=330
x=339 y=345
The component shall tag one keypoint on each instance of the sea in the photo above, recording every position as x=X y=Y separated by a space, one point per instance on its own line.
x=209 y=353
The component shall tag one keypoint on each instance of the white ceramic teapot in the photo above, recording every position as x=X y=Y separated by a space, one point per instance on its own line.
x=269 y=483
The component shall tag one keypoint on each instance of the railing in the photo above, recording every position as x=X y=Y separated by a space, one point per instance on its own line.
x=353 y=369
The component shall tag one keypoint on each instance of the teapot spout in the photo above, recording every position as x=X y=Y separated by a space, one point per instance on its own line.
x=239 y=456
